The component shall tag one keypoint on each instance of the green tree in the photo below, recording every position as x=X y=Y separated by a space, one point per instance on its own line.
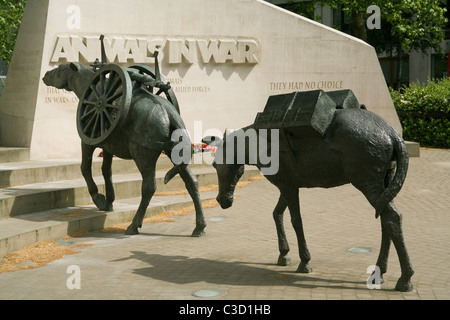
x=304 y=8
x=406 y=24
x=414 y=25
x=11 y=12
x=358 y=11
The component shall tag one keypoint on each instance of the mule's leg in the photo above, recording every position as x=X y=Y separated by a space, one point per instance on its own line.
x=391 y=220
x=372 y=183
x=107 y=175
x=191 y=184
x=382 y=261
x=86 y=171
x=148 y=189
x=283 y=245
x=290 y=195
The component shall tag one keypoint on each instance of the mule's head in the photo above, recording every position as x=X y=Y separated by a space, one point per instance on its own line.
x=70 y=77
x=228 y=174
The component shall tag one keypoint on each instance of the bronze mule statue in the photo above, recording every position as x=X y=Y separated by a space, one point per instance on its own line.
x=357 y=147
x=143 y=136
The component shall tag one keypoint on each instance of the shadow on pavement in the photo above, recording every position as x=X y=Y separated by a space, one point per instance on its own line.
x=185 y=270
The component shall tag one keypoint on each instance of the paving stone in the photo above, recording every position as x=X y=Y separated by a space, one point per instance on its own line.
x=238 y=255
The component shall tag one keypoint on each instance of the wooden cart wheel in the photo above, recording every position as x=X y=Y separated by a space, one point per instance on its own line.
x=104 y=105
x=168 y=94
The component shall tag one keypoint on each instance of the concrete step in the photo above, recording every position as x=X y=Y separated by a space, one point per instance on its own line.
x=19 y=200
x=18 y=232
x=8 y=154
x=413 y=148
x=47 y=200
x=38 y=171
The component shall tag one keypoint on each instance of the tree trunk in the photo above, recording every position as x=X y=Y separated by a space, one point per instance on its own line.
x=359 y=26
x=399 y=65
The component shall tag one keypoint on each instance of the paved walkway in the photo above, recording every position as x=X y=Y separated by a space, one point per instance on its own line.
x=236 y=259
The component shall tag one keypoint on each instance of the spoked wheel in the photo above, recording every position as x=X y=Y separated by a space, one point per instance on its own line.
x=104 y=105
x=168 y=94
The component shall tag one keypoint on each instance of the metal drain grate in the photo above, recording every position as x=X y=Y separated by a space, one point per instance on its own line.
x=209 y=293
x=65 y=243
x=359 y=250
x=217 y=219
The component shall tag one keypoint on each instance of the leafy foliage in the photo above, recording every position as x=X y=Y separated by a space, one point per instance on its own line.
x=11 y=12
x=304 y=8
x=406 y=24
x=417 y=24
x=424 y=112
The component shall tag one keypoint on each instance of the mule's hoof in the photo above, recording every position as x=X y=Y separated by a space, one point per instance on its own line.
x=304 y=268
x=283 y=261
x=404 y=285
x=102 y=203
x=376 y=279
x=131 y=230
x=99 y=201
x=108 y=206
x=198 y=233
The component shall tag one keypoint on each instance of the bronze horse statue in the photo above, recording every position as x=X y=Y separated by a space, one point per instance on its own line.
x=146 y=133
x=358 y=147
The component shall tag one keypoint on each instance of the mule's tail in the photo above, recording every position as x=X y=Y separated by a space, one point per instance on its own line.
x=182 y=144
x=400 y=156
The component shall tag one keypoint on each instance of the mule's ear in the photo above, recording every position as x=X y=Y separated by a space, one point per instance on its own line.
x=212 y=141
x=74 y=67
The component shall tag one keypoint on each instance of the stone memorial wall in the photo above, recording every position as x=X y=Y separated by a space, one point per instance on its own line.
x=223 y=59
